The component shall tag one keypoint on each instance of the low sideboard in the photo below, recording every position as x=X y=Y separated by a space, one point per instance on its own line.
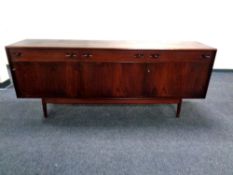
x=110 y=72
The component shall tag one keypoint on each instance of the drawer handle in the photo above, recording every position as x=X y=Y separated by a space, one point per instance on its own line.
x=139 y=55
x=154 y=55
x=206 y=56
x=87 y=55
x=17 y=54
x=71 y=55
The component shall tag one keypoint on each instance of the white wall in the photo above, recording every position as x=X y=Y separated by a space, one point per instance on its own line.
x=206 y=21
x=3 y=73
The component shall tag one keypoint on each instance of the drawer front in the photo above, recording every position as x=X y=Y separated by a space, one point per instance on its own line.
x=179 y=55
x=112 y=55
x=85 y=55
x=18 y=54
x=107 y=55
x=149 y=56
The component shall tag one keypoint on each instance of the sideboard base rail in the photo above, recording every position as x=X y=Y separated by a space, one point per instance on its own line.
x=177 y=101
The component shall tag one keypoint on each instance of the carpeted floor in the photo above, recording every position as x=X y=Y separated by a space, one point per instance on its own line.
x=119 y=139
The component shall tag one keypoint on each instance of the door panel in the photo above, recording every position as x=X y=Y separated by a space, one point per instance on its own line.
x=108 y=80
x=40 y=79
x=130 y=80
x=177 y=79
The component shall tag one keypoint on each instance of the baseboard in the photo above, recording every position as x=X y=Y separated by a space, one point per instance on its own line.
x=222 y=70
x=5 y=84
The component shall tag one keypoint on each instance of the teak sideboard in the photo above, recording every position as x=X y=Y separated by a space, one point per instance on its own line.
x=110 y=72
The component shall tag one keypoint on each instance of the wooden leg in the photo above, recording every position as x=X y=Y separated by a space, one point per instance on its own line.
x=178 y=108
x=44 y=106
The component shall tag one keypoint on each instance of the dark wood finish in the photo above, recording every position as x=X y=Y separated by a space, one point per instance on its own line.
x=112 y=100
x=110 y=44
x=177 y=79
x=39 y=79
x=109 y=80
x=107 y=55
x=131 y=72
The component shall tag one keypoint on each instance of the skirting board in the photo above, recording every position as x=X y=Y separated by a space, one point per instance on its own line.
x=5 y=84
x=222 y=70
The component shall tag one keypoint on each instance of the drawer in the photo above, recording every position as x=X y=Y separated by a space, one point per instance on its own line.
x=145 y=55
x=40 y=54
x=112 y=55
x=179 y=55
x=86 y=55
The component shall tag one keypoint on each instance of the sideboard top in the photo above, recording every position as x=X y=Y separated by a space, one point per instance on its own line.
x=110 y=44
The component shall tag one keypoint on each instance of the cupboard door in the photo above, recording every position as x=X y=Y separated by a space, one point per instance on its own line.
x=107 y=80
x=129 y=80
x=177 y=79
x=40 y=79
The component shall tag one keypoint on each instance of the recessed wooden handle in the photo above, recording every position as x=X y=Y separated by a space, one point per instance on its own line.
x=206 y=56
x=17 y=54
x=68 y=54
x=139 y=55
x=156 y=55
x=71 y=55
x=87 y=55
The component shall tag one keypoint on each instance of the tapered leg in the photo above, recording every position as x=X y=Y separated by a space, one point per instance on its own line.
x=178 y=108
x=44 y=106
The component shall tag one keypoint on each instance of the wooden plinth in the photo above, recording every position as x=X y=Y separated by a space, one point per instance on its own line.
x=177 y=101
